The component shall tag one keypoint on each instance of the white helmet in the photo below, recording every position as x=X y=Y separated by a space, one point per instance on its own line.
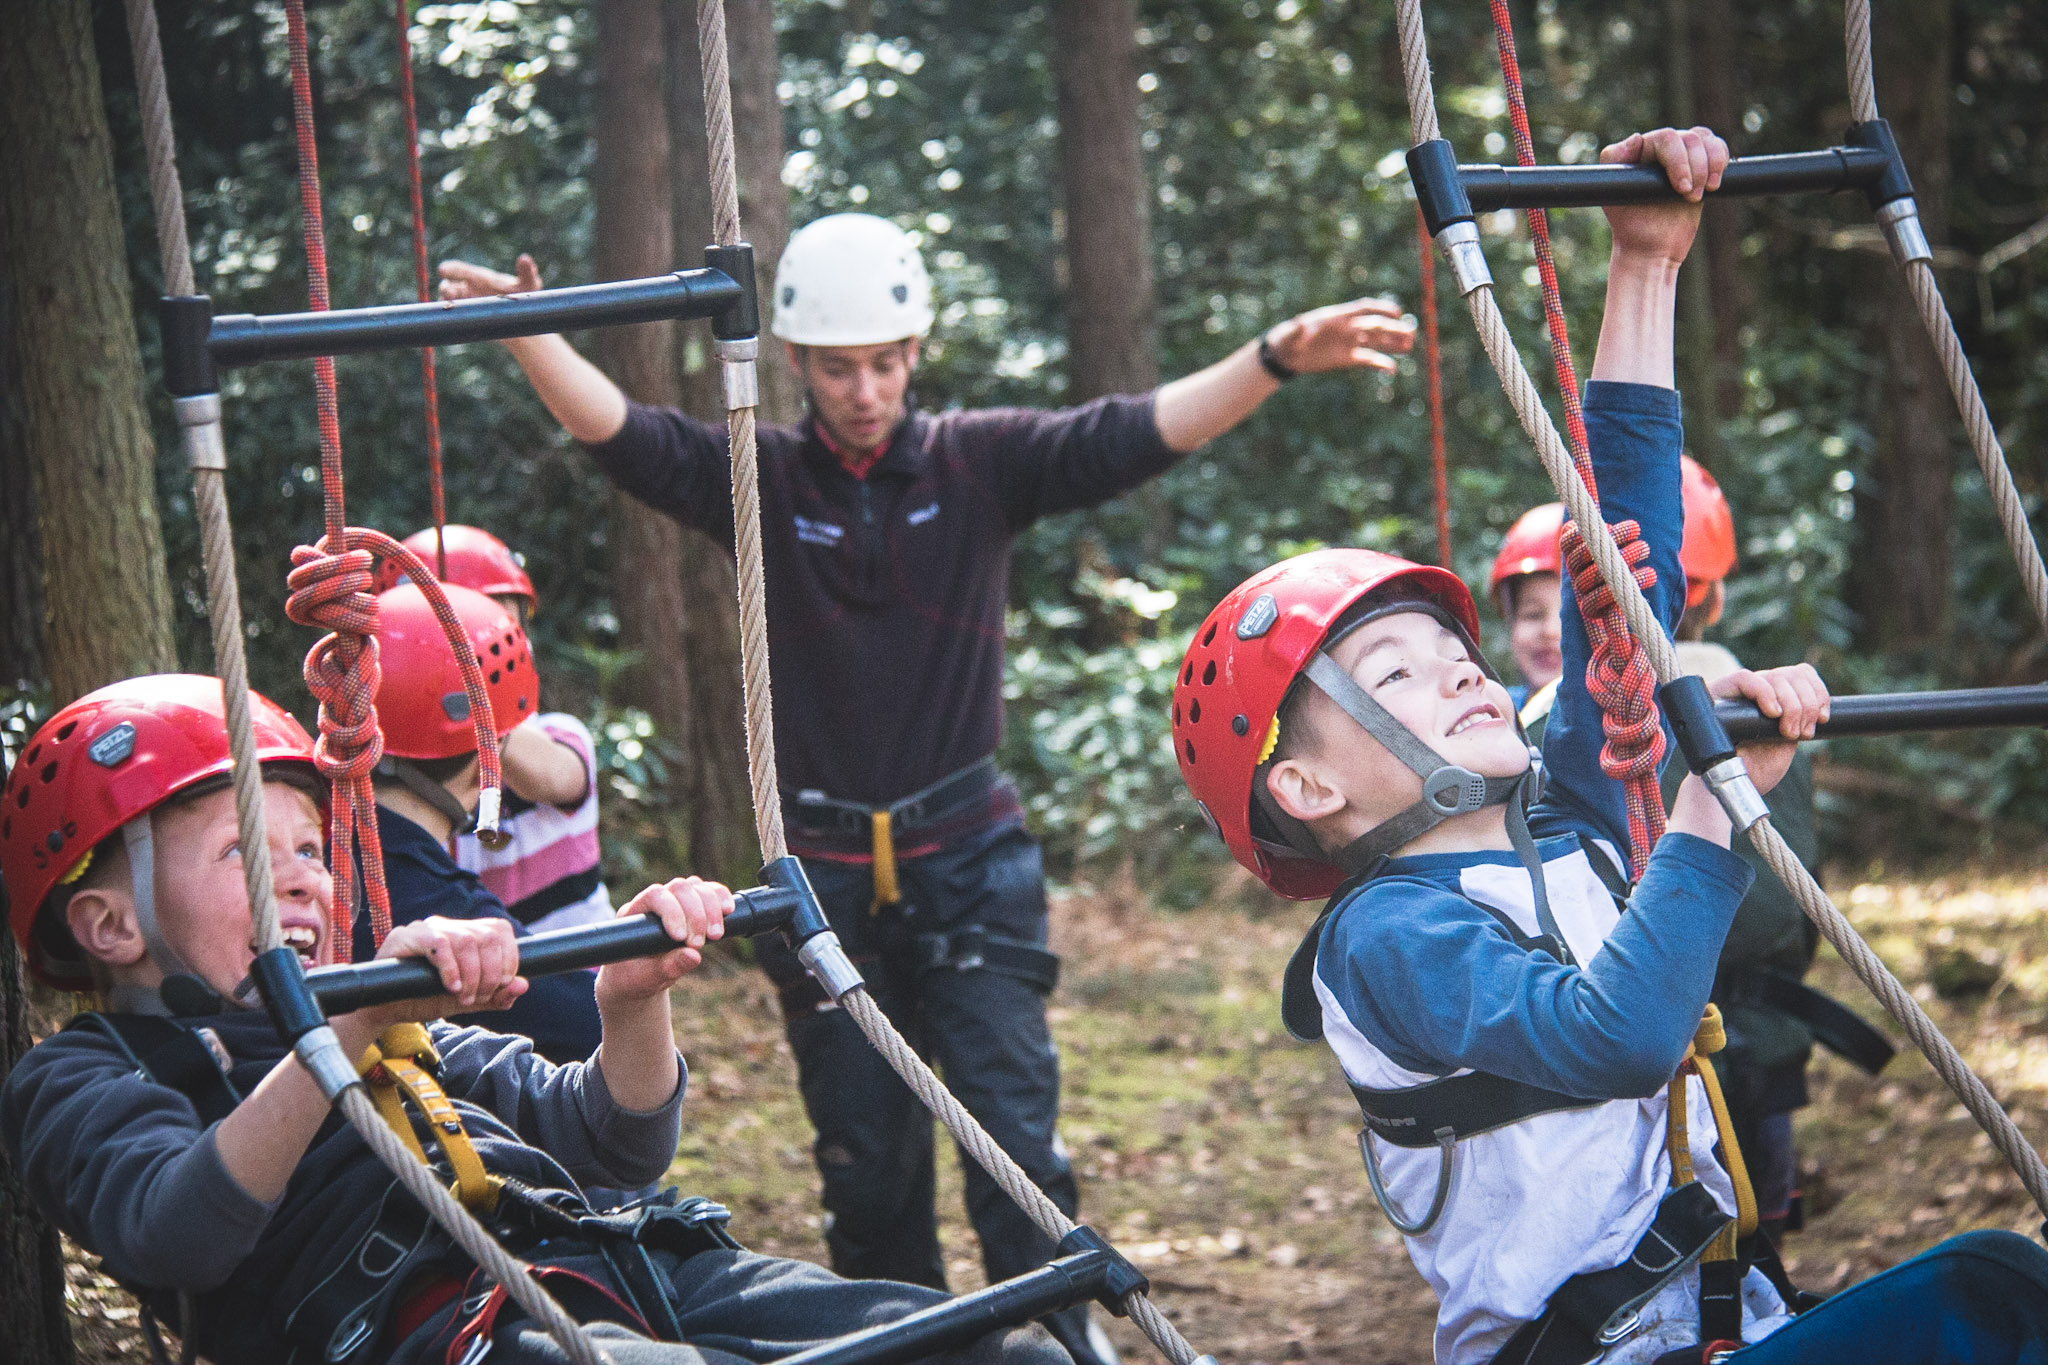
x=851 y=279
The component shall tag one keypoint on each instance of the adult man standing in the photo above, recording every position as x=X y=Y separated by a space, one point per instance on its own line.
x=886 y=532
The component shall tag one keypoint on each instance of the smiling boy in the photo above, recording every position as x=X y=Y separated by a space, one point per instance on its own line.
x=1512 y=1017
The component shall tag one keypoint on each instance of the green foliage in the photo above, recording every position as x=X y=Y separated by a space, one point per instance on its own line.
x=1272 y=133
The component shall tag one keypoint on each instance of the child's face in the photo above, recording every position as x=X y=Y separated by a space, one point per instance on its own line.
x=1534 y=629
x=202 y=901
x=1420 y=671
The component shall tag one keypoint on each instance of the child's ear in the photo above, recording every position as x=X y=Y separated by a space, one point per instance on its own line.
x=102 y=919
x=1302 y=791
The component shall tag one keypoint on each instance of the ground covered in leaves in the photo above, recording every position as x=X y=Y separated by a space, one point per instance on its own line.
x=1221 y=1156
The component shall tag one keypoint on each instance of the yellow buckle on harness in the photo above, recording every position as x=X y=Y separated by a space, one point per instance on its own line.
x=392 y=1068
x=1710 y=1037
x=887 y=892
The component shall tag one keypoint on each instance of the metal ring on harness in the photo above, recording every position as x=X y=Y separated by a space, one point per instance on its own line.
x=1447 y=1148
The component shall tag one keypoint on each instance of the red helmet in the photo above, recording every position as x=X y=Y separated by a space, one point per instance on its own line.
x=1238 y=670
x=477 y=560
x=1530 y=547
x=421 y=702
x=1707 y=554
x=102 y=761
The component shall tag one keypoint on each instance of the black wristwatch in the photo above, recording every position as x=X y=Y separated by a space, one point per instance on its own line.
x=1271 y=362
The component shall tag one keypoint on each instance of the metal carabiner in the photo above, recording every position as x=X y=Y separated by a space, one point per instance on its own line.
x=1447 y=1145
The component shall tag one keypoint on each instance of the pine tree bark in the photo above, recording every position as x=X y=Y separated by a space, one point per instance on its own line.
x=21 y=549
x=1907 y=508
x=92 y=460
x=1714 y=28
x=1112 y=342
x=630 y=184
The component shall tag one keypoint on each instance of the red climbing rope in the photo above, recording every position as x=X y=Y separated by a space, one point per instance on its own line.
x=425 y=280
x=1439 y=460
x=330 y=584
x=1619 y=677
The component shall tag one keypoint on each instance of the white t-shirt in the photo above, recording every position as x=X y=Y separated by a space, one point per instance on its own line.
x=550 y=875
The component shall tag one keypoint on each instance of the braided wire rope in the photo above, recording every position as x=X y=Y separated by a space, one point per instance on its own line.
x=1955 y=365
x=1439 y=456
x=1615 y=571
x=760 y=713
x=1617 y=677
x=225 y=614
x=423 y=278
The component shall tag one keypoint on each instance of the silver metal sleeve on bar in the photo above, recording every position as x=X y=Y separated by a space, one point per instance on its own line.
x=199 y=418
x=827 y=961
x=1729 y=781
x=742 y=376
x=1900 y=220
x=319 y=1051
x=1460 y=244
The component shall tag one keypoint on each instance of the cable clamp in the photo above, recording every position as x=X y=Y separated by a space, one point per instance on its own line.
x=828 y=964
x=199 y=420
x=742 y=375
x=1120 y=1280
x=320 y=1052
x=489 y=807
x=1730 y=783
x=1900 y=220
x=1460 y=244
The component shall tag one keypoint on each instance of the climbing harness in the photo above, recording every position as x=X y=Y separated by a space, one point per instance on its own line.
x=402 y=1067
x=964 y=798
x=1609 y=583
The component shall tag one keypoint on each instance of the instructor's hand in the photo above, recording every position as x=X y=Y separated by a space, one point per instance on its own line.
x=461 y=280
x=1361 y=334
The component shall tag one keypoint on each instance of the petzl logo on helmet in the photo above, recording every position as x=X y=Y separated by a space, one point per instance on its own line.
x=113 y=747
x=1258 y=618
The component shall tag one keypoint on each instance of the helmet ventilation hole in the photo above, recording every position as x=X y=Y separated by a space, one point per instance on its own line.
x=1189 y=746
x=1195 y=711
x=50 y=771
x=1208 y=672
x=1209 y=634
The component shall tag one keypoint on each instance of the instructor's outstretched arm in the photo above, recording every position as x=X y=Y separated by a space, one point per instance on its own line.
x=1362 y=334
x=582 y=397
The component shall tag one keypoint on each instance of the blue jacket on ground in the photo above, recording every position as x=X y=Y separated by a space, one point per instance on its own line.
x=559 y=1013
x=1417 y=980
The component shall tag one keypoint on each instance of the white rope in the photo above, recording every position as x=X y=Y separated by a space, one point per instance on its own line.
x=1649 y=633
x=1862 y=80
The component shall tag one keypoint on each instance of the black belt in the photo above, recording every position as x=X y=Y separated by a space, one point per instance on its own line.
x=974 y=948
x=815 y=812
x=1834 y=1025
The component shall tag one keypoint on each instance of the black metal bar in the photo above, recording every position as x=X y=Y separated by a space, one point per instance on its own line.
x=955 y=1324
x=1898 y=713
x=245 y=339
x=1564 y=187
x=342 y=989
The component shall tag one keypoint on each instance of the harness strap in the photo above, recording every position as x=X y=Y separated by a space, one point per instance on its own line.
x=392 y=1068
x=886 y=890
x=973 y=948
x=172 y=1055
x=407 y=775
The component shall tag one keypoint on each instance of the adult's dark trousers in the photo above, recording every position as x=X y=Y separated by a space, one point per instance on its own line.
x=732 y=1307
x=1977 y=1299
x=981 y=1027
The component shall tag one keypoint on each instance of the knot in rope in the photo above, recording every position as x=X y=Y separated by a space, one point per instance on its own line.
x=1622 y=683
x=331 y=592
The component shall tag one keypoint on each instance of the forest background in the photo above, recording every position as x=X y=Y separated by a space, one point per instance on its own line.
x=1245 y=157
x=1107 y=191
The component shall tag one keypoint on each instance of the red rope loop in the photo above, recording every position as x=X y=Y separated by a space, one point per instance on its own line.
x=1618 y=674
x=1621 y=683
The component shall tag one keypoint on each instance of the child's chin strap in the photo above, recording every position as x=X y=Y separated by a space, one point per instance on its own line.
x=1447 y=789
x=461 y=819
x=184 y=991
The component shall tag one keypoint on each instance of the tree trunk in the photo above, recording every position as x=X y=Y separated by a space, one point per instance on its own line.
x=630 y=183
x=721 y=805
x=1696 y=319
x=1112 y=346
x=21 y=550
x=84 y=429
x=1907 y=514
x=764 y=202
x=33 y=1322
x=1713 y=71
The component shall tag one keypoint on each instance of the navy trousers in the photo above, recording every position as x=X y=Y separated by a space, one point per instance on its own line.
x=1977 y=1299
x=982 y=1029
